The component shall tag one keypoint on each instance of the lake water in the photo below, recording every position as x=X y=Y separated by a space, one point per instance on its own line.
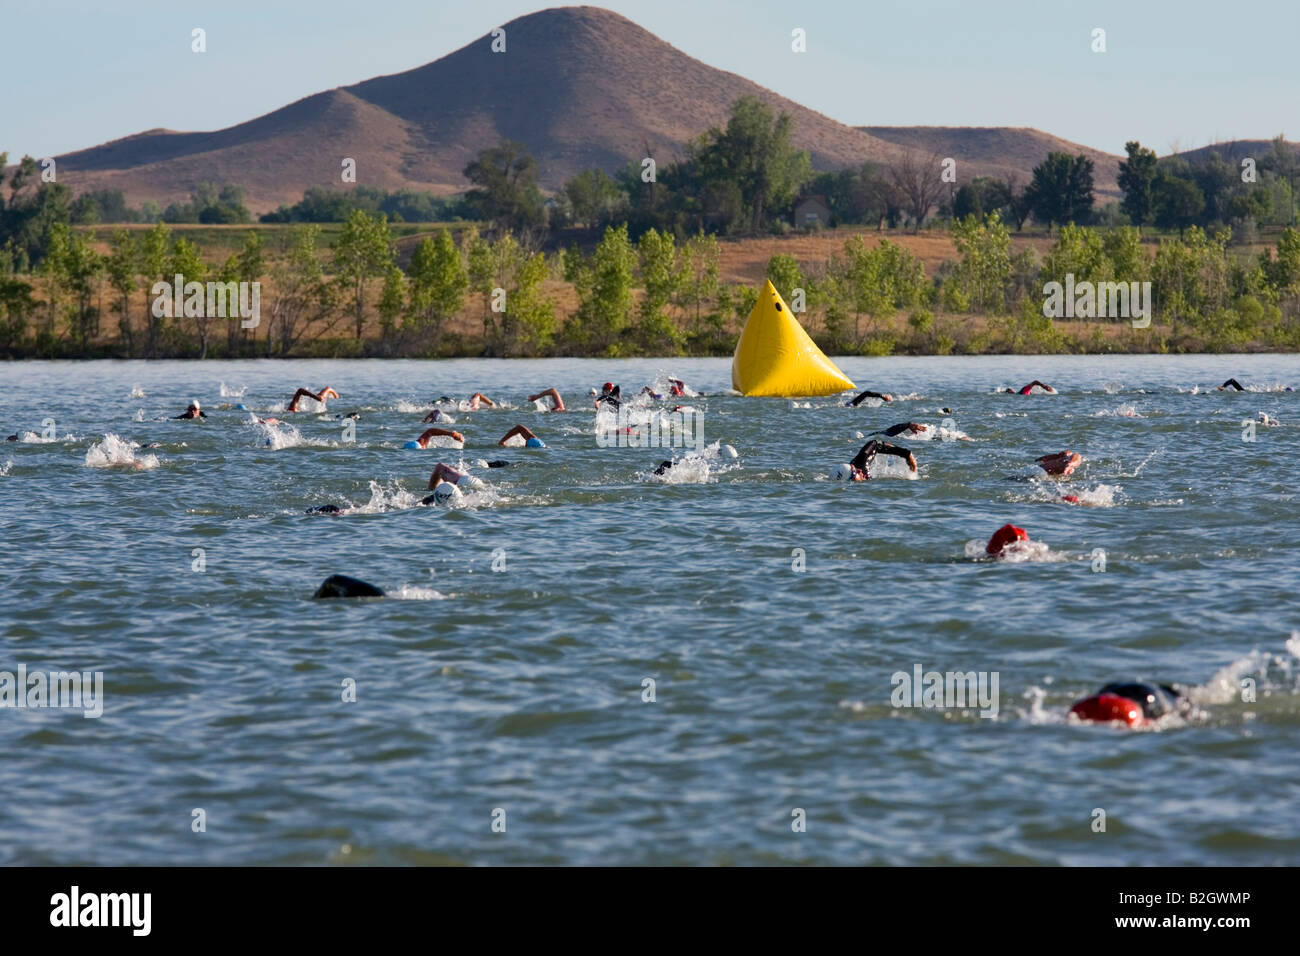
x=504 y=677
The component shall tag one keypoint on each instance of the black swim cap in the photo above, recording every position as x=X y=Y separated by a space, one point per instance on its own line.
x=1156 y=700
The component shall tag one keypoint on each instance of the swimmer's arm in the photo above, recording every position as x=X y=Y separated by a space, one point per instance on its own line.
x=898 y=452
x=865 y=395
x=431 y=417
x=436 y=432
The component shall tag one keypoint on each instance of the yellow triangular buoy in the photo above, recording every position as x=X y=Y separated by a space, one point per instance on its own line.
x=775 y=356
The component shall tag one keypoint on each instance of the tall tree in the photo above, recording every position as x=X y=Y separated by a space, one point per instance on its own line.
x=1136 y=176
x=1061 y=189
x=919 y=182
x=438 y=282
x=363 y=252
x=505 y=187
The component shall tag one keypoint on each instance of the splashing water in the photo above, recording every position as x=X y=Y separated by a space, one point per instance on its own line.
x=115 y=451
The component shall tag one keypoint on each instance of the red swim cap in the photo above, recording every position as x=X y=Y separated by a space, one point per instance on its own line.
x=1108 y=707
x=609 y=387
x=1072 y=499
x=1005 y=536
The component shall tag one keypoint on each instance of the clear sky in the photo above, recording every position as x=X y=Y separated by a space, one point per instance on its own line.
x=1175 y=72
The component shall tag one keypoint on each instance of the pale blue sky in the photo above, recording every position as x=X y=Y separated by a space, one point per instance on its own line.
x=1176 y=71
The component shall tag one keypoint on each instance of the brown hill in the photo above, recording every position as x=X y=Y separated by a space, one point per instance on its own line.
x=998 y=151
x=579 y=86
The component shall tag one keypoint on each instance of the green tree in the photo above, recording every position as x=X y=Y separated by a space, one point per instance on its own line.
x=1177 y=202
x=364 y=251
x=152 y=262
x=506 y=190
x=984 y=272
x=700 y=284
x=1061 y=190
x=662 y=276
x=185 y=261
x=605 y=293
x=594 y=198
x=754 y=154
x=1137 y=174
x=438 y=282
x=302 y=294
x=121 y=267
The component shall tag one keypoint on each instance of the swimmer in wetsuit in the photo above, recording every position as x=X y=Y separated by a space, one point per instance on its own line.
x=192 y=411
x=854 y=403
x=859 y=468
x=1029 y=389
x=610 y=395
x=1233 y=384
x=1133 y=703
x=912 y=428
x=1060 y=463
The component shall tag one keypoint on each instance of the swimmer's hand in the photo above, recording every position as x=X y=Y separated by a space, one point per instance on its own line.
x=459 y=437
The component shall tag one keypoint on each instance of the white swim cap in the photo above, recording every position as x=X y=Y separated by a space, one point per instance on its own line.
x=731 y=452
x=842 y=473
x=194 y=403
x=444 y=491
x=469 y=481
x=481 y=463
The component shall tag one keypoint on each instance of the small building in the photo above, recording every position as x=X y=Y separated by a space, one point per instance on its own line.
x=811 y=212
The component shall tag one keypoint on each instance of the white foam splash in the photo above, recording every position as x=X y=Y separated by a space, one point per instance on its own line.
x=137 y=392
x=115 y=451
x=229 y=391
x=416 y=594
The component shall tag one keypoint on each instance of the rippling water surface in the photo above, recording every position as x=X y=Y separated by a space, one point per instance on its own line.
x=521 y=688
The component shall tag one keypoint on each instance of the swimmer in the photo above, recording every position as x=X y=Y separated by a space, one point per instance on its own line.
x=557 y=403
x=1133 y=703
x=677 y=387
x=524 y=432
x=1007 y=535
x=663 y=467
x=423 y=440
x=609 y=393
x=193 y=411
x=1029 y=389
x=477 y=399
x=865 y=395
x=325 y=393
x=859 y=468
x=1233 y=384
x=911 y=428
x=325 y=510
x=1060 y=463
x=445 y=474
x=433 y=416
x=652 y=393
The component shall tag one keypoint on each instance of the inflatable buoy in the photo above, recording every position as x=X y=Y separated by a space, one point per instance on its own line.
x=1004 y=536
x=776 y=356
x=340 y=585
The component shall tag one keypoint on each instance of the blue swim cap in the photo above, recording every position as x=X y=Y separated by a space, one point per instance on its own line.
x=241 y=408
x=534 y=443
x=412 y=444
